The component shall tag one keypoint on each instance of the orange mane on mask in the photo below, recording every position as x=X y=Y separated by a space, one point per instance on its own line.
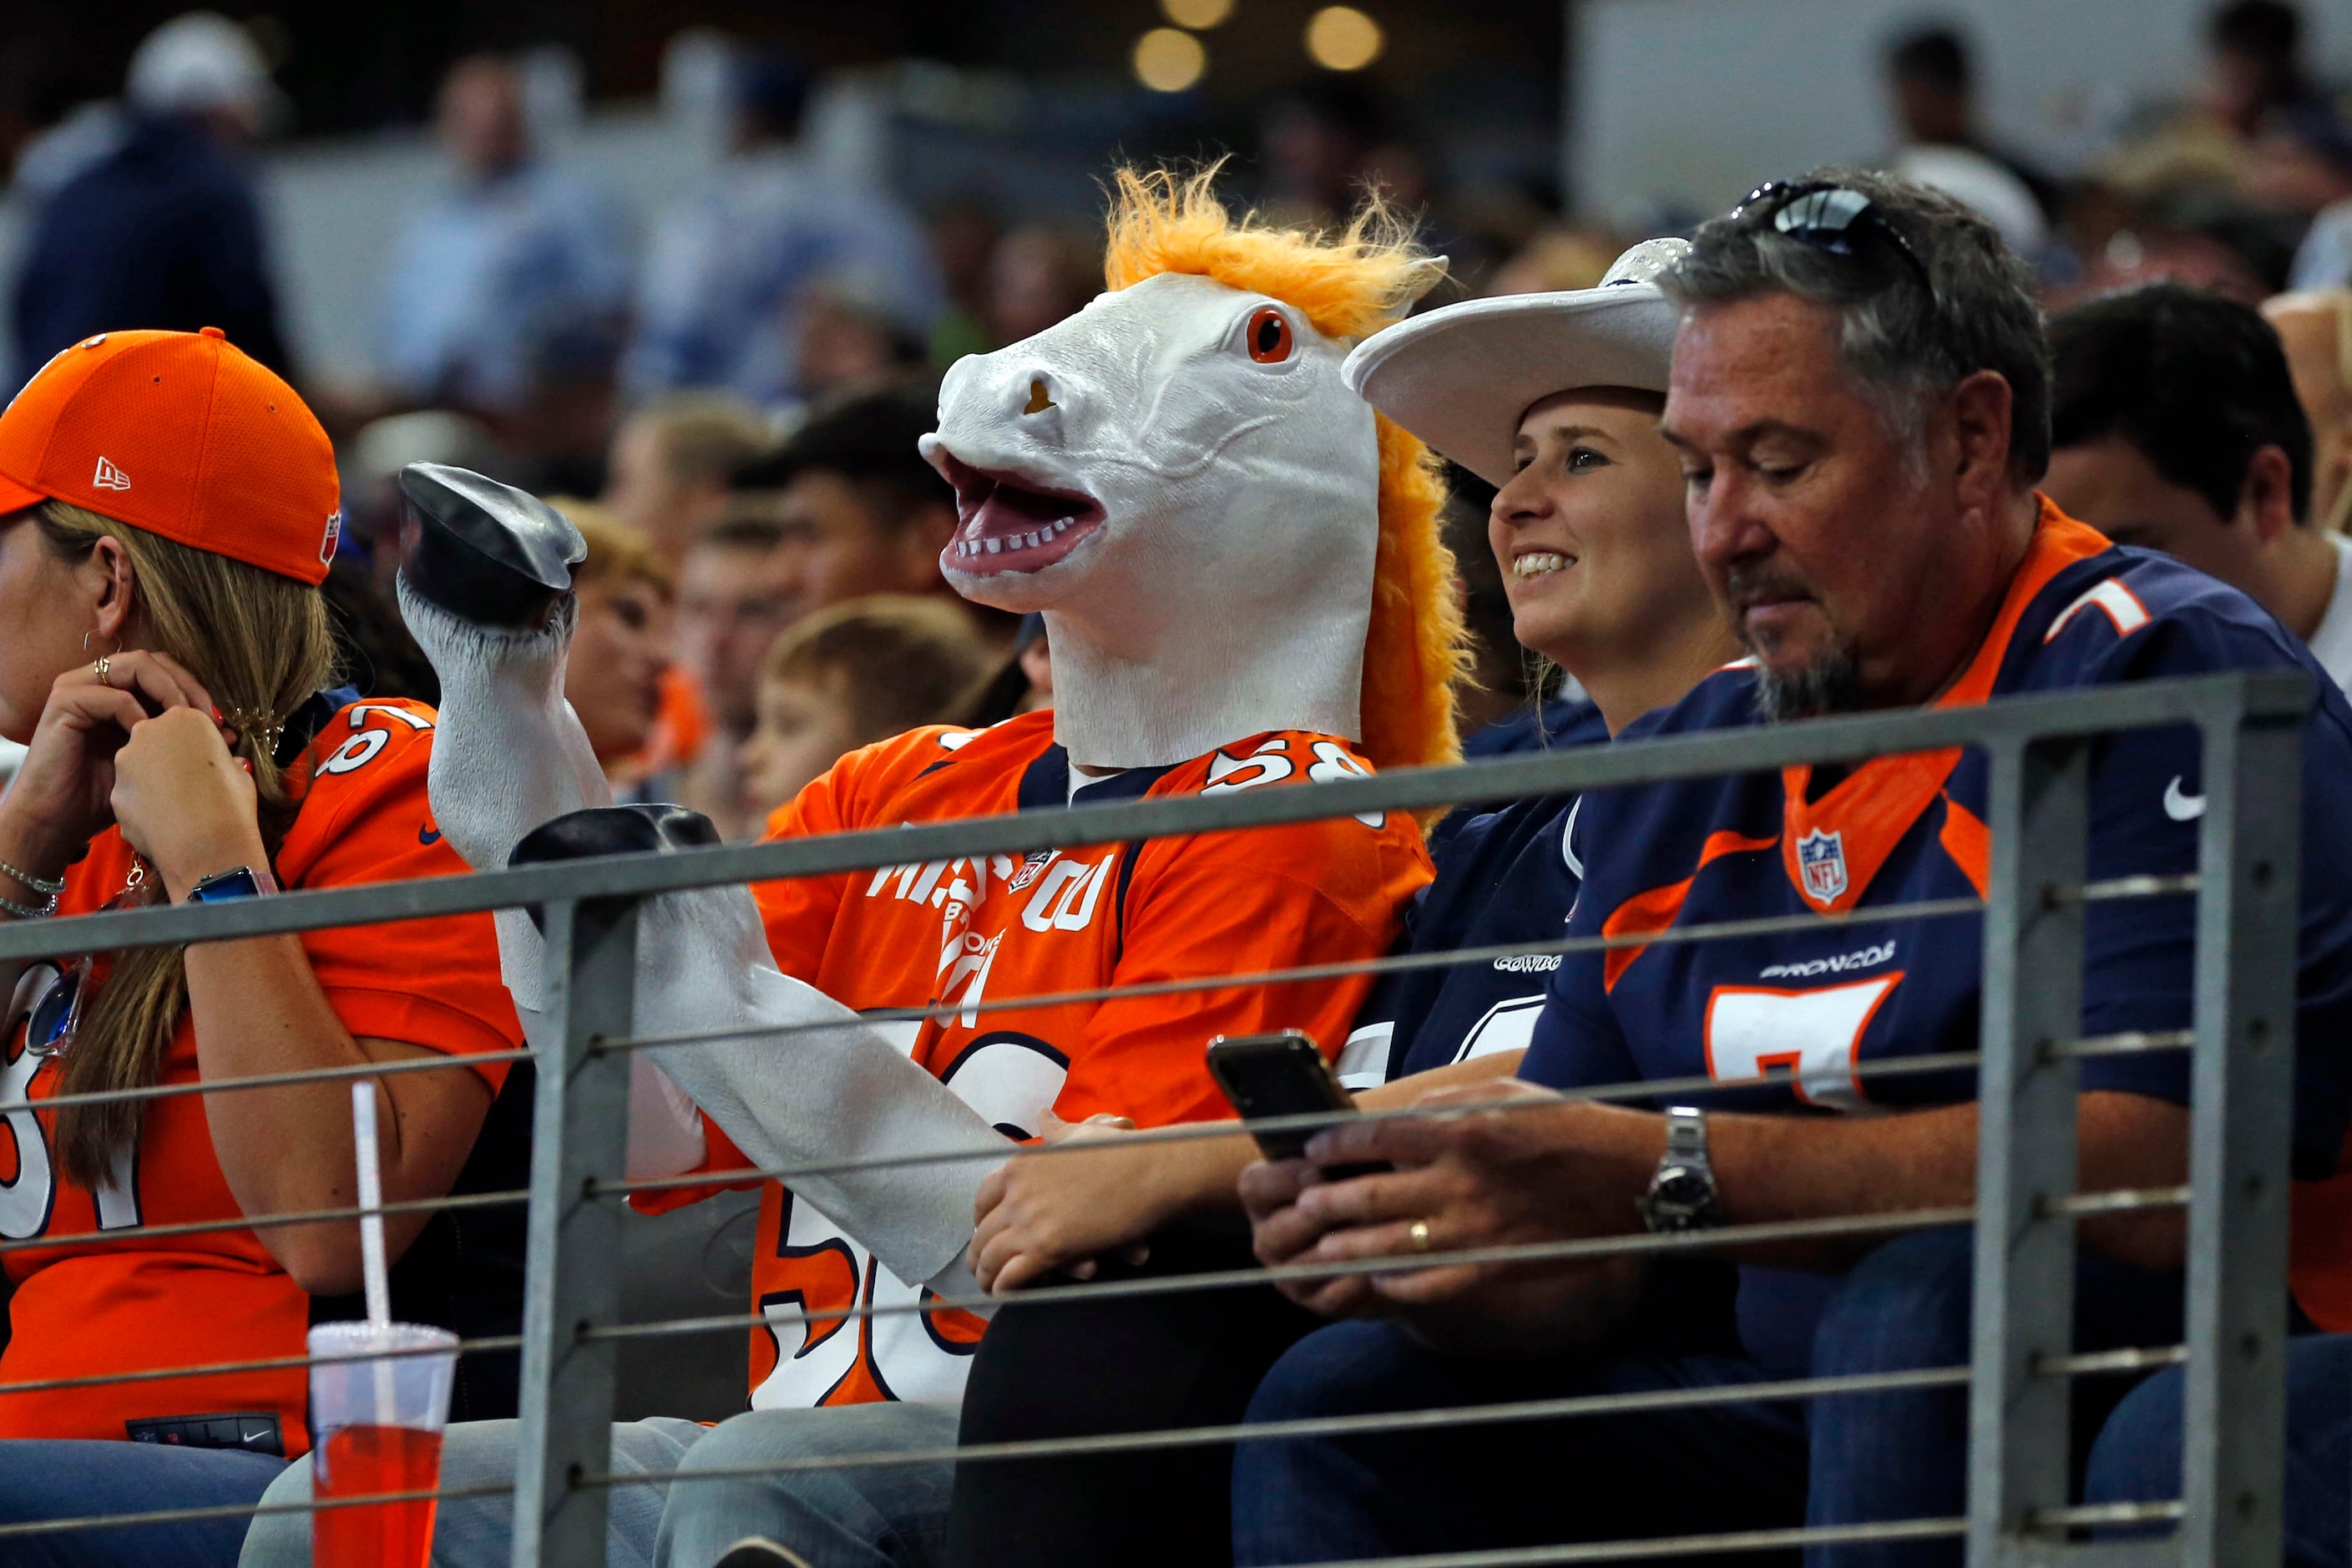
x=1348 y=286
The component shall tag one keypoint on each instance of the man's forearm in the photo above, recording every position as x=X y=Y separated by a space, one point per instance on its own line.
x=1790 y=1168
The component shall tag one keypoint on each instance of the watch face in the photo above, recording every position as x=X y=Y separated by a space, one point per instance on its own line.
x=1684 y=1188
x=237 y=884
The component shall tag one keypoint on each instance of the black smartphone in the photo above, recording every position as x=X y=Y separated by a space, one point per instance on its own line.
x=1282 y=1075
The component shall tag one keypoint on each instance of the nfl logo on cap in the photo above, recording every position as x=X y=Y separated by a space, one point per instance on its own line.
x=1821 y=860
x=334 y=536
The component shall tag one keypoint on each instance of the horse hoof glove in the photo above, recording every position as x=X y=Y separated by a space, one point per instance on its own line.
x=487 y=552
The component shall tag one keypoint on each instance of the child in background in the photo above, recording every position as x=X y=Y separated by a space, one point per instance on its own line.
x=850 y=675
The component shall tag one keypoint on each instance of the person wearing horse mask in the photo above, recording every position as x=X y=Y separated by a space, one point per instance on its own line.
x=1238 y=564
x=1554 y=399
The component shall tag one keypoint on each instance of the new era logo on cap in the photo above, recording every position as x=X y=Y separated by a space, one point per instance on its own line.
x=110 y=477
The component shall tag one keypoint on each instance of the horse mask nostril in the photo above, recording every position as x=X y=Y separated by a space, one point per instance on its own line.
x=1038 y=400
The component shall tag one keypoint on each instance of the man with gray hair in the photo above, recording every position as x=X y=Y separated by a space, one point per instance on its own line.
x=1859 y=395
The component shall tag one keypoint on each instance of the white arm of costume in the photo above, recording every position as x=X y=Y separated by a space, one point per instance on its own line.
x=510 y=755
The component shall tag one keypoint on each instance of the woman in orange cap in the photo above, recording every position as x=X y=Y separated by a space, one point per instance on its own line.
x=168 y=508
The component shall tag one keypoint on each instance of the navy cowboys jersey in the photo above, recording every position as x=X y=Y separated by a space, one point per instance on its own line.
x=1506 y=876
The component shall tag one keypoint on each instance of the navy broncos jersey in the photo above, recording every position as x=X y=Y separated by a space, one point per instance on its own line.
x=2080 y=612
x=1502 y=876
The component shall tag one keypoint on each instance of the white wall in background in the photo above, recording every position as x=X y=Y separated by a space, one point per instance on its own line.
x=1689 y=103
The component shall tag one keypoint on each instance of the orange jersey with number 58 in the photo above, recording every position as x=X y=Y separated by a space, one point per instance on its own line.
x=983 y=936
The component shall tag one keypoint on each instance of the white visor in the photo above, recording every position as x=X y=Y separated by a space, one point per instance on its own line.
x=1461 y=376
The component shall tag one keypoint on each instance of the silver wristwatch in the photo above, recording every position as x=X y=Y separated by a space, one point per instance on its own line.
x=1682 y=1195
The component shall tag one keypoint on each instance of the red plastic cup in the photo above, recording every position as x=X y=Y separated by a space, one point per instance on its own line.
x=375 y=1427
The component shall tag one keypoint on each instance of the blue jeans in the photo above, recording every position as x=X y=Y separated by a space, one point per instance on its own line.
x=883 y=1516
x=1850 y=1459
x=2137 y=1458
x=1520 y=1483
x=889 y=1516
x=60 y=1479
x=1904 y=1455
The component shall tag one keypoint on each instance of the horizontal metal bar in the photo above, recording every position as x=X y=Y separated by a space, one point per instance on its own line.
x=1924 y=909
x=1722 y=1238
x=1385 y=1423
x=2125 y=1043
x=1675 y=1545
x=240 y=1510
x=2133 y=886
x=271 y=1364
x=1591 y=1404
x=1581 y=1248
x=1309 y=1121
x=263 y=1222
x=2121 y=1200
x=2128 y=1042
x=438 y=1063
x=2092 y=1514
x=2216 y=699
x=1728 y=1235
x=2094 y=1364
x=1710 y=930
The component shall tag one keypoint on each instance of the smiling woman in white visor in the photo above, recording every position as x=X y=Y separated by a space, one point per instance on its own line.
x=1554 y=399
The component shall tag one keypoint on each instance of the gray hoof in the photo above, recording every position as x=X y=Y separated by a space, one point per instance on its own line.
x=485 y=553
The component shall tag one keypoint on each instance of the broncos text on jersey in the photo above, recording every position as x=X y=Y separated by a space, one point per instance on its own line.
x=981 y=936
x=1808 y=1005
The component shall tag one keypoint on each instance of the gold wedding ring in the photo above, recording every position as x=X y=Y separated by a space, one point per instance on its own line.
x=100 y=668
x=1419 y=1231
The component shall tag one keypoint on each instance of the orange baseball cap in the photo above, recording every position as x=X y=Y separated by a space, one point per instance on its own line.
x=183 y=435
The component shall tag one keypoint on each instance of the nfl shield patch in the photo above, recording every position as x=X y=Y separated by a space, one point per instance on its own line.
x=1037 y=861
x=1820 y=861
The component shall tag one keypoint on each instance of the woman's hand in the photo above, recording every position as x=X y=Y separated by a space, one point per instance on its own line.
x=63 y=794
x=183 y=801
x=1042 y=1212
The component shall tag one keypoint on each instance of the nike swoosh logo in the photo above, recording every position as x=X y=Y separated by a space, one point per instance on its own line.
x=433 y=834
x=2182 y=807
x=259 y=1432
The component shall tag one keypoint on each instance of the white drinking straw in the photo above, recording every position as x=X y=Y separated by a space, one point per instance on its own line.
x=373 y=1267
x=371 y=1264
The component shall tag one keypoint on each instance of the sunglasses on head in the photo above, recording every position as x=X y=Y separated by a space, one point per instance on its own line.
x=1835 y=220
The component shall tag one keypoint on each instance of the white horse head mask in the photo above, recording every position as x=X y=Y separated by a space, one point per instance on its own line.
x=1178 y=478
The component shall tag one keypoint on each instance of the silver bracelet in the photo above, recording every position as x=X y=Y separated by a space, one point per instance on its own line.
x=28 y=879
x=27 y=911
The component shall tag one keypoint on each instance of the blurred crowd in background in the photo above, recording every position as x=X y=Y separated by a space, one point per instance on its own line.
x=724 y=385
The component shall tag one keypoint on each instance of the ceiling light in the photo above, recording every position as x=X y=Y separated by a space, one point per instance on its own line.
x=1197 y=13
x=1167 y=61
x=1342 y=38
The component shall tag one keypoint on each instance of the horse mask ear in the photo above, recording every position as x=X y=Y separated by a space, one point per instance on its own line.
x=1419 y=278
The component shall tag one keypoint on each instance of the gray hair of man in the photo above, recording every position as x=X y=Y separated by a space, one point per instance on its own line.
x=1908 y=348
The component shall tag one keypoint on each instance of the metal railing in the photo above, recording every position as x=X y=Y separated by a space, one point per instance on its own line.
x=2039 y=749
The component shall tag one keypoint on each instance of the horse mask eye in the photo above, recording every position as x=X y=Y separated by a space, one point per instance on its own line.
x=1269 y=336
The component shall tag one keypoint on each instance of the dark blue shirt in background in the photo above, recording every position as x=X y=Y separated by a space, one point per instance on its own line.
x=162 y=232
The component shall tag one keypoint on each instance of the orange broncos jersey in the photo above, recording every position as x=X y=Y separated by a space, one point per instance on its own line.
x=84 y=1307
x=980 y=934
